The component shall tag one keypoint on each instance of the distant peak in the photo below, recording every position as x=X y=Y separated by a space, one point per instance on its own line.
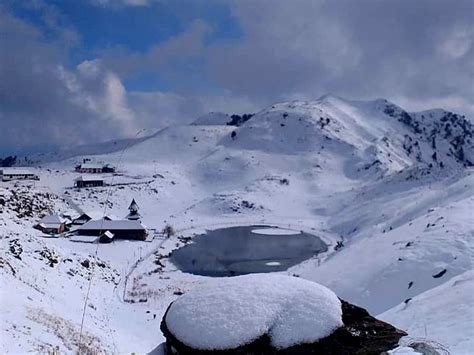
x=330 y=98
x=381 y=101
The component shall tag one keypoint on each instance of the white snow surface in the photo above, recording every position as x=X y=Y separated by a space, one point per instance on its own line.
x=238 y=310
x=273 y=263
x=274 y=231
x=441 y=315
x=361 y=173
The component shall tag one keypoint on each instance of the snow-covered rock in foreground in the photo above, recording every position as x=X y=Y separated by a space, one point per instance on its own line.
x=239 y=310
x=272 y=314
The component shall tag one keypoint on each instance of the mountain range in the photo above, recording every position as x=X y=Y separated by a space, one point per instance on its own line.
x=393 y=190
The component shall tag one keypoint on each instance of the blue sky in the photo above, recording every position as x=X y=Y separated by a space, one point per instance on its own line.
x=135 y=27
x=102 y=27
x=69 y=67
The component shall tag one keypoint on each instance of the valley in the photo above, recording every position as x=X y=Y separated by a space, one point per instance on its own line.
x=391 y=194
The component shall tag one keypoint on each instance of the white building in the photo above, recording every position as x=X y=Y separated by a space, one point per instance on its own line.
x=8 y=174
x=90 y=168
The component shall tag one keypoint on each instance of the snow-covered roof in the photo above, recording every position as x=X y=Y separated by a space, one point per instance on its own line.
x=108 y=234
x=92 y=166
x=111 y=225
x=238 y=310
x=133 y=216
x=51 y=219
x=88 y=178
x=98 y=215
x=50 y=225
x=133 y=205
x=16 y=171
x=75 y=215
x=84 y=239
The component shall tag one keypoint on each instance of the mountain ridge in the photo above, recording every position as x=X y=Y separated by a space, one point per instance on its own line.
x=452 y=130
x=397 y=222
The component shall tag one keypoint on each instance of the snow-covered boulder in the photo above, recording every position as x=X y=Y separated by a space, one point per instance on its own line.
x=267 y=314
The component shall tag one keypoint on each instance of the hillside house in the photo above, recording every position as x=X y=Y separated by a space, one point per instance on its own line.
x=86 y=181
x=51 y=224
x=87 y=216
x=107 y=168
x=94 y=168
x=9 y=174
x=121 y=229
x=89 y=168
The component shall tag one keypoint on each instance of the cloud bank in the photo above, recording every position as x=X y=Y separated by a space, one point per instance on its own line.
x=417 y=54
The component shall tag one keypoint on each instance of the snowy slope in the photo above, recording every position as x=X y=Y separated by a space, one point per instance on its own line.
x=90 y=149
x=441 y=315
x=397 y=188
x=400 y=241
x=212 y=119
x=375 y=134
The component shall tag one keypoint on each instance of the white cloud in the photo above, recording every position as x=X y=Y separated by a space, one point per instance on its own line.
x=288 y=50
x=115 y=103
x=90 y=68
x=364 y=49
x=458 y=43
x=121 y=3
x=449 y=103
x=102 y=93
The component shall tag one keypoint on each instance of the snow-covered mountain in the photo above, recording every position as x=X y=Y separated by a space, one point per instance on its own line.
x=395 y=187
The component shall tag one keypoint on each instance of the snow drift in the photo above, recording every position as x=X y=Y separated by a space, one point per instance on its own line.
x=238 y=310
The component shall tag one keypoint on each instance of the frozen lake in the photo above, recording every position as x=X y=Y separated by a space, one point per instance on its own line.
x=244 y=250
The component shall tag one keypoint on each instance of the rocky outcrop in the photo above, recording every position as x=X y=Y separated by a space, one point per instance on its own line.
x=361 y=334
x=437 y=126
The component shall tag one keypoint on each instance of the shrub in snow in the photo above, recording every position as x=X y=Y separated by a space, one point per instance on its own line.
x=168 y=231
x=268 y=314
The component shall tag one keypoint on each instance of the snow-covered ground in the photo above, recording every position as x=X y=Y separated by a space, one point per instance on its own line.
x=390 y=188
x=442 y=315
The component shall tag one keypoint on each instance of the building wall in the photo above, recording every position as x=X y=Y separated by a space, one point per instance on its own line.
x=52 y=230
x=108 y=169
x=7 y=177
x=119 y=234
x=89 y=183
x=90 y=171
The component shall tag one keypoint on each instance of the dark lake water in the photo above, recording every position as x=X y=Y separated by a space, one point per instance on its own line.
x=237 y=251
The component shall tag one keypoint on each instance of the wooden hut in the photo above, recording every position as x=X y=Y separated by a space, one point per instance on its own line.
x=51 y=224
x=86 y=181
